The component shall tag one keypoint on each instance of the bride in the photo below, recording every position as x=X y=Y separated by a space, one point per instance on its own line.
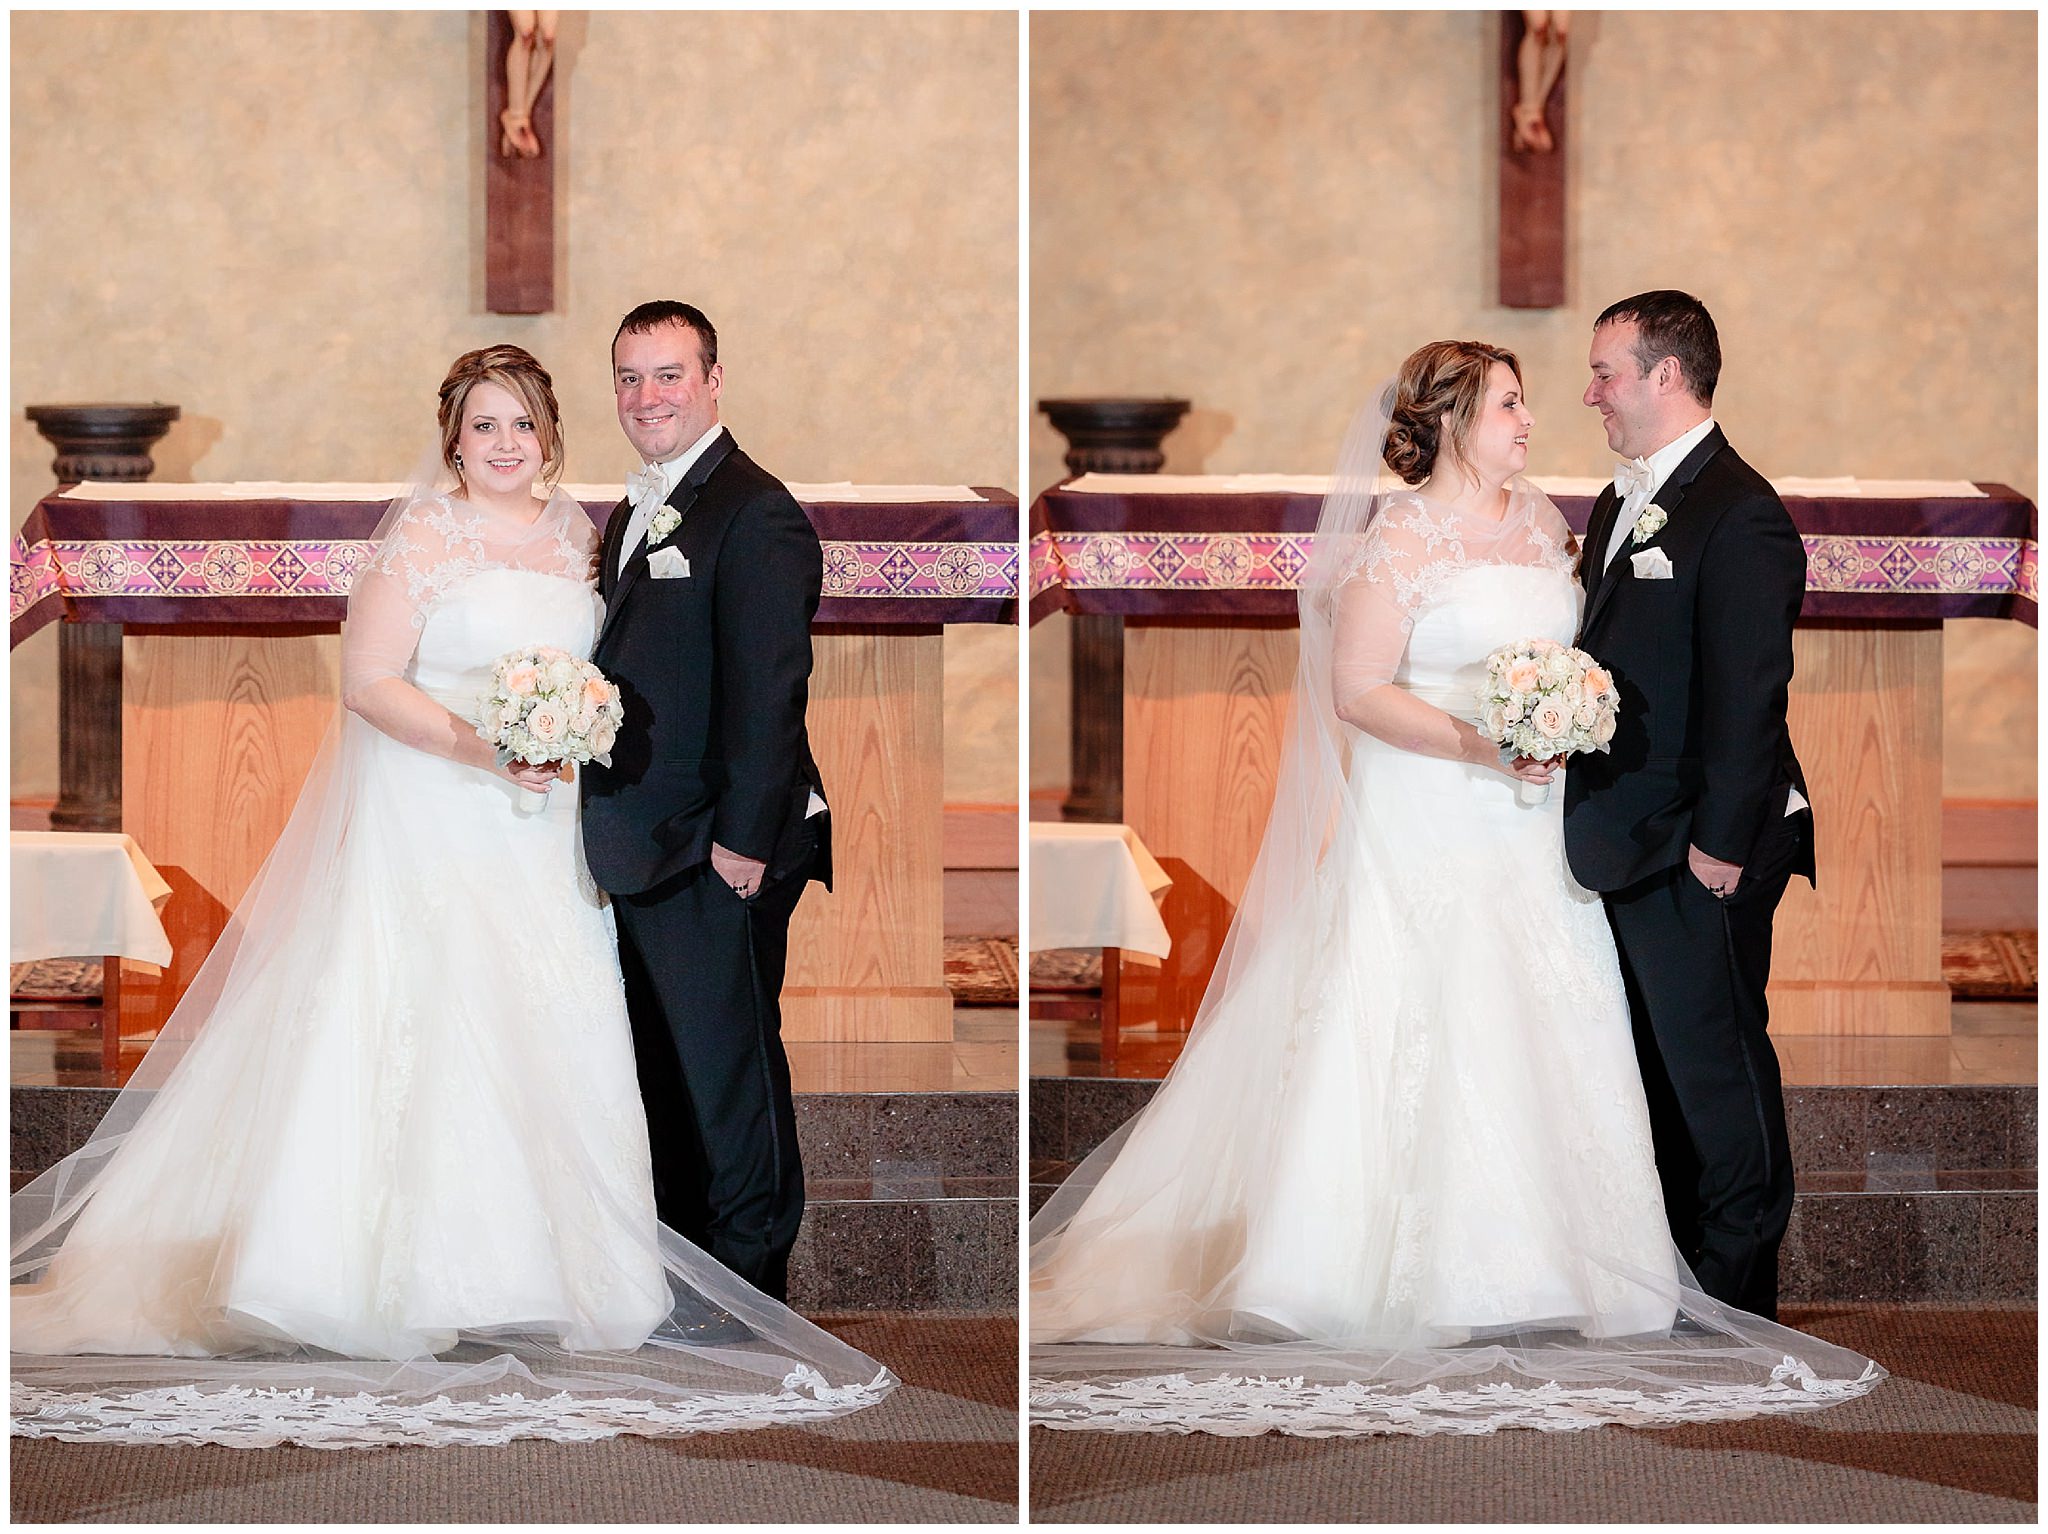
x=384 y=1176
x=1400 y=1180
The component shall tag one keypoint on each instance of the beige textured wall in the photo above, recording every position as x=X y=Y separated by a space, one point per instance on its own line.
x=275 y=220
x=1265 y=212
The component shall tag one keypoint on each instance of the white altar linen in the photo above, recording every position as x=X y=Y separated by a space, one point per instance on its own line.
x=838 y=493
x=84 y=894
x=1093 y=886
x=1549 y=484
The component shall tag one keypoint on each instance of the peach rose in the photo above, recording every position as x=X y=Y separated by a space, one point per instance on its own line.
x=1598 y=682
x=1551 y=718
x=596 y=692
x=1524 y=675
x=522 y=680
x=547 y=723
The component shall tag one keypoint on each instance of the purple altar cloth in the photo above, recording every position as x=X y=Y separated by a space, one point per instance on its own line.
x=1238 y=556
x=236 y=562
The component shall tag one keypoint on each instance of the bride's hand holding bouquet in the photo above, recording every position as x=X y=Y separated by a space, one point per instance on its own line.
x=1541 y=702
x=546 y=710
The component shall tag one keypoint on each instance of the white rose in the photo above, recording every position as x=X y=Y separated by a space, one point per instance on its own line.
x=1513 y=711
x=1551 y=718
x=603 y=737
x=1557 y=667
x=1493 y=721
x=1584 y=715
x=1603 y=729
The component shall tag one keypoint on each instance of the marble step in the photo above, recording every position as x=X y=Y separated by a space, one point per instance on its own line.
x=1897 y=1130
x=1904 y=1193
x=911 y=1196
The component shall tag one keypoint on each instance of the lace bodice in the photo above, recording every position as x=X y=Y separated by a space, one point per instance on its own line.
x=1431 y=591
x=452 y=587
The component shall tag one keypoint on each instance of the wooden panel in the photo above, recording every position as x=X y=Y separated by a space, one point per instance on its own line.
x=1203 y=717
x=1204 y=712
x=866 y=961
x=1862 y=954
x=221 y=729
x=218 y=732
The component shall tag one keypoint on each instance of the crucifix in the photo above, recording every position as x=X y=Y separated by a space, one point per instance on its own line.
x=519 y=178
x=1531 y=128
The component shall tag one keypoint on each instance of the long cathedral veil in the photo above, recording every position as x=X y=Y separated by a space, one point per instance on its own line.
x=1134 y=1258
x=723 y=1356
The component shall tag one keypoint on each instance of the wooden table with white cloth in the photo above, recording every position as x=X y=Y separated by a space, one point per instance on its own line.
x=85 y=894
x=1097 y=886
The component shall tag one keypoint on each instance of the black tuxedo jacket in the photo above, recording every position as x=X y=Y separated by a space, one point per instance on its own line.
x=714 y=670
x=1703 y=662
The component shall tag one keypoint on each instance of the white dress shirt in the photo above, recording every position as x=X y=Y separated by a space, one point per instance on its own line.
x=672 y=475
x=1662 y=464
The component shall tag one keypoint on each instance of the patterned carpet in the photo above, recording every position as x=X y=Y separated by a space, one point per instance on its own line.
x=982 y=971
x=1950 y=1438
x=1991 y=966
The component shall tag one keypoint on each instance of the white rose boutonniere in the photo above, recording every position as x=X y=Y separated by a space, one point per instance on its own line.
x=1649 y=523
x=662 y=523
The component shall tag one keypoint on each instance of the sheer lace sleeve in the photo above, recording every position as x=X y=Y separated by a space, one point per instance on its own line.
x=1402 y=557
x=426 y=551
x=388 y=605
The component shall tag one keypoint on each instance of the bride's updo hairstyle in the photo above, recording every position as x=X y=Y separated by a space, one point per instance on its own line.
x=517 y=371
x=1438 y=392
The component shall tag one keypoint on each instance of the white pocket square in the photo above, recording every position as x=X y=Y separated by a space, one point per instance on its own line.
x=1651 y=564
x=667 y=564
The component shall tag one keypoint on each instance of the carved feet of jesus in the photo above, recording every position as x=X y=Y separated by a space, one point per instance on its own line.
x=518 y=137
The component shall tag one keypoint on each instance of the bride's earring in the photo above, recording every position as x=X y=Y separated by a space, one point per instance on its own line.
x=458 y=463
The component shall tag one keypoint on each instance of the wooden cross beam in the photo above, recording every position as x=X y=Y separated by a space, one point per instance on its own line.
x=519 y=195
x=1532 y=201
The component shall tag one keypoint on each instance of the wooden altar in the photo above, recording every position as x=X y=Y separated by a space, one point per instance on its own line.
x=1203 y=576
x=230 y=606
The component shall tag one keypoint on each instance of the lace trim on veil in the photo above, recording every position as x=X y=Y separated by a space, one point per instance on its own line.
x=261 y=1419
x=1243 y=1406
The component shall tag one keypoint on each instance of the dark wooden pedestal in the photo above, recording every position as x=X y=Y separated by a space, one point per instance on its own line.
x=94 y=442
x=1104 y=436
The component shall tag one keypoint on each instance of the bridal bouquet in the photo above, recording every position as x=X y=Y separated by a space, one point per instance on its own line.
x=545 y=705
x=1545 y=700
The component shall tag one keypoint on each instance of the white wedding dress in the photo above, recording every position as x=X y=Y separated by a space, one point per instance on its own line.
x=1401 y=1178
x=397 y=1187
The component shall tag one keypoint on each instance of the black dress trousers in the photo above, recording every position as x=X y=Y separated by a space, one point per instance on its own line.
x=703 y=972
x=1695 y=966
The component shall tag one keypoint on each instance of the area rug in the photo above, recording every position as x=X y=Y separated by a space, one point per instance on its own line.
x=1991 y=966
x=1067 y=969
x=982 y=971
x=55 y=980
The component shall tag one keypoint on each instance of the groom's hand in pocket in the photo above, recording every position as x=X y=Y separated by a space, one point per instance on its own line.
x=743 y=875
x=1720 y=878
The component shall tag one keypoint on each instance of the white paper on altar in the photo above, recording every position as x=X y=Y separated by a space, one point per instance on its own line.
x=1092 y=886
x=1847 y=488
x=84 y=894
x=277 y=490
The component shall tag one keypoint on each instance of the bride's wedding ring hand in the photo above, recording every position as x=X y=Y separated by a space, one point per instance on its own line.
x=538 y=776
x=1533 y=769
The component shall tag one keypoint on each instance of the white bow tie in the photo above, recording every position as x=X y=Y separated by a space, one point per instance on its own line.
x=1632 y=477
x=646 y=483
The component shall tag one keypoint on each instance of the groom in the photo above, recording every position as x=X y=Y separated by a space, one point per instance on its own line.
x=1695 y=822
x=711 y=818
